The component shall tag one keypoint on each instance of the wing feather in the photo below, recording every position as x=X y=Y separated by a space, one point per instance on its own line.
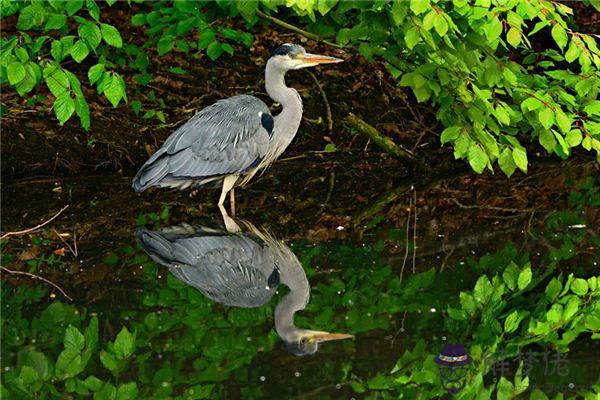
x=225 y=138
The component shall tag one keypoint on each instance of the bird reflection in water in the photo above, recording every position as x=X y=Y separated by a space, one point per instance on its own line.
x=239 y=268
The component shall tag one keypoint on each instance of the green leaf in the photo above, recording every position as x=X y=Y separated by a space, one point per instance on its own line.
x=574 y=138
x=124 y=343
x=524 y=278
x=31 y=16
x=502 y=115
x=419 y=6
x=127 y=391
x=113 y=90
x=505 y=389
x=138 y=20
x=108 y=361
x=95 y=73
x=93 y=9
x=412 y=37
x=90 y=33
x=16 y=72
x=64 y=107
x=506 y=162
x=512 y=322
x=107 y=392
x=37 y=361
x=440 y=24
x=92 y=383
x=560 y=35
x=530 y=104
x=450 y=134
x=165 y=44
x=56 y=80
x=546 y=117
x=206 y=38
x=478 y=158
x=482 y=290
x=554 y=314
x=72 y=6
x=79 y=51
x=563 y=121
x=69 y=363
x=572 y=52
x=111 y=35
x=247 y=8
x=82 y=109
x=520 y=158
x=214 y=50
x=513 y=37
x=547 y=140
x=74 y=338
x=56 y=21
x=579 y=286
x=28 y=375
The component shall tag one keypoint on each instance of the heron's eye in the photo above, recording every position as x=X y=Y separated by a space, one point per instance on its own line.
x=303 y=340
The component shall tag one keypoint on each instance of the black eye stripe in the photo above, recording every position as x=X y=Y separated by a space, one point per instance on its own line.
x=283 y=50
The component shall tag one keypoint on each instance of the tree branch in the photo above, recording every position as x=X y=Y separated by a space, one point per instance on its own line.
x=385 y=143
x=296 y=29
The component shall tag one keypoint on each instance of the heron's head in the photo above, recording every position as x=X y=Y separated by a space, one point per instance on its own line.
x=303 y=342
x=292 y=56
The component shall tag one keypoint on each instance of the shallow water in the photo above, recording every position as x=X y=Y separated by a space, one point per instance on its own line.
x=357 y=272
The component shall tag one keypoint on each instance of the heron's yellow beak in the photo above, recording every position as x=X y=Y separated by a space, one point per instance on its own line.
x=318 y=336
x=315 y=59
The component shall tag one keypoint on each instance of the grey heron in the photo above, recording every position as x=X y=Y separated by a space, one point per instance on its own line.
x=227 y=142
x=241 y=269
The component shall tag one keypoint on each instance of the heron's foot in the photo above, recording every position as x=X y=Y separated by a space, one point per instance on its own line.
x=230 y=225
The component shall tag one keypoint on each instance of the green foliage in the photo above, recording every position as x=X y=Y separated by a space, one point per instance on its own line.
x=494 y=91
x=476 y=63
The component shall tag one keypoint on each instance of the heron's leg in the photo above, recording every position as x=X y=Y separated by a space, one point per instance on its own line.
x=228 y=183
x=232 y=201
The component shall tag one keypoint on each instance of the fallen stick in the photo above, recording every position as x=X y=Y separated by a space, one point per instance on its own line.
x=385 y=143
x=35 y=228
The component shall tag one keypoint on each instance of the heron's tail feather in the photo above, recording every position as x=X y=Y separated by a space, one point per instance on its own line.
x=156 y=245
x=151 y=173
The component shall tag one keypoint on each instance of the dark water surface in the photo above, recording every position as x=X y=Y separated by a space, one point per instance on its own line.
x=374 y=271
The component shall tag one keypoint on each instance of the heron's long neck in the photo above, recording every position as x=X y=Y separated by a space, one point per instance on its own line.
x=288 y=120
x=294 y=278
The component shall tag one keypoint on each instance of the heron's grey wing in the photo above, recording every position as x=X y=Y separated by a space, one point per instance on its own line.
x=231 y=269
x=229 y=137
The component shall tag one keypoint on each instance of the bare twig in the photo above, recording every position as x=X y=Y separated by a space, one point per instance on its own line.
x=325 y=102
x=72 y=249
x=10 y=271
x=414 y=233
x=515 y=210
x=407 y=230
x=35 y=228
